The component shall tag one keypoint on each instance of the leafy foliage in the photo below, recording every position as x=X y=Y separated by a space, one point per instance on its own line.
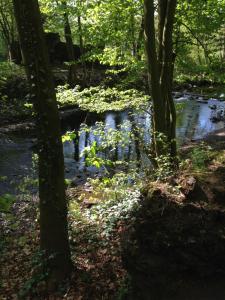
x=200 y=156
x=99 y=99
x=116 y=200
x=9 y=70
x=6 y=202
x=68 y=136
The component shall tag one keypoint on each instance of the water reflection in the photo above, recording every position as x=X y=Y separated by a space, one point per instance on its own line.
x=193 y=122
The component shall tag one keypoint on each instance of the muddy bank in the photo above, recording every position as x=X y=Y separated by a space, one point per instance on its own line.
x=175 y=247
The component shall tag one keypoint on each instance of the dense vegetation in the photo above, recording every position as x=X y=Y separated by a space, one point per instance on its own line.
x=110 y=80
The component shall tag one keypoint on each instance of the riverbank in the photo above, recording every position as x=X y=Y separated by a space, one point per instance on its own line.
x=178 y=230
x=178 y=224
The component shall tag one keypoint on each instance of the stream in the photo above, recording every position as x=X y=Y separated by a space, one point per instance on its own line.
x=196 y=118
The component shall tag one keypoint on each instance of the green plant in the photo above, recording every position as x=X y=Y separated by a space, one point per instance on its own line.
x=68 y=136
x=6 y=202
x=164 y=163
x=99 y=99
x=92 y=159
x=9 y=69
x=115 y=199
x=200 y=156
x=120 y=198
x=27 y=184
x=164 y=167
x=102 y=154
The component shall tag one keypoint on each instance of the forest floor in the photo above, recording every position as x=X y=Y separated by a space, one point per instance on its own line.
x=99 y=272
x=96 y=251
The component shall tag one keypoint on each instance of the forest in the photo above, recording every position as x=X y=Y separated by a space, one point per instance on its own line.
x=112 y=149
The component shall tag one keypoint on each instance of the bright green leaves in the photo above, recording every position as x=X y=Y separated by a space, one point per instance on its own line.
x=99 y=99
x=200 y=156
x=68 y=136
x=112 y=24
x=91 y=157
x=102 y=153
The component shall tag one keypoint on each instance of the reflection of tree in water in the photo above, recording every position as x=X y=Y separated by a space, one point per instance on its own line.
x=187 y=120
x=193 y=121
x=76 y=147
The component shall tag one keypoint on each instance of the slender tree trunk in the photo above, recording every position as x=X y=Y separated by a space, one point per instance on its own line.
x=81 y=42
x=167 y=67
x=162 y=7
x=7 y=26
x=140 y=39
x=53 y=207
x=80 y=34
x=68 y=38
x=159 y=124
x=132 y=32
x=161 y=64
x=72 y=76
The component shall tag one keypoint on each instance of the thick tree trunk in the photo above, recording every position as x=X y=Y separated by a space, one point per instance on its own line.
x=53 y=207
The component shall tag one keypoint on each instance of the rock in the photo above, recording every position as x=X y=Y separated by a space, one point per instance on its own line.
x=222 y=97
x=213 y=106
x=202 y=100
x=213 y=99
x=177 y=94
x=88 y=203
x=218 y=115
x=183 y=98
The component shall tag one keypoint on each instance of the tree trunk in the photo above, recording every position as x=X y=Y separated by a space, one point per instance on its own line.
x=140 y=39
x=160 y=65
x=159 y=124
x=167 y=67
x=81 y=42
x=72 y=76
x=7 y=27
x=53 y=208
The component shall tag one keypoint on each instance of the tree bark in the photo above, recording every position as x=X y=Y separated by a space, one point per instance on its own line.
x=159 y=124
x=72 y=76
x=140 y=38
x=81 y=43
x=53 y=208
x=160 y=60
x=7 y=27
x=167 y=67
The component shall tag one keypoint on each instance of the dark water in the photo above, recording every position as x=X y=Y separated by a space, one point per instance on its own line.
x=193 y=122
